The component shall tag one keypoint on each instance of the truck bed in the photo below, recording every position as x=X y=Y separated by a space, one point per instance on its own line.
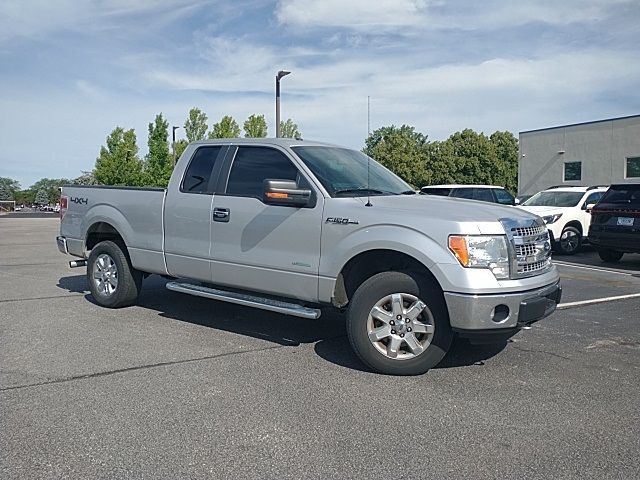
x=137 y=213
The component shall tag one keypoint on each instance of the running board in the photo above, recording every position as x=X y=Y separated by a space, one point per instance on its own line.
x=246 y=300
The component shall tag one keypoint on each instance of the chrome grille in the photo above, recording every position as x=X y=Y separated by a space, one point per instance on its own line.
x=528 y=231
x=529 y=247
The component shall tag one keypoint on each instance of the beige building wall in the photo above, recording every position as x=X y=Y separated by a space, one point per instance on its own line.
x=602 y=147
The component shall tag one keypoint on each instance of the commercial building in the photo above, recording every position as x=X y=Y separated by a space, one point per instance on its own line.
x=591 y=153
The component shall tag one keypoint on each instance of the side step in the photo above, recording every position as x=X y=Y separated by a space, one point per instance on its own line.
x=246 y=300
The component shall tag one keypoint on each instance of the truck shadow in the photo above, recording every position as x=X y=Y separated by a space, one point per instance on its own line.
x=328 y=334
x=74 y=284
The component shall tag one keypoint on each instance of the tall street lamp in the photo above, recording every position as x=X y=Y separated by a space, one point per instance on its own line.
x=280 y=74
x=173 y=144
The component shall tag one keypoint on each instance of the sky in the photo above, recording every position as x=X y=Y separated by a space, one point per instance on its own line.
x=74 y=70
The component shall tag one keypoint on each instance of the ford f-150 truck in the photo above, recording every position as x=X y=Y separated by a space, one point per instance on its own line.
x=291 y=226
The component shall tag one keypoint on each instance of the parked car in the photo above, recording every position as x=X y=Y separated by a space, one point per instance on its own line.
x=615 y=222
x=289 y=226
x=566 y=212
x=483 y=193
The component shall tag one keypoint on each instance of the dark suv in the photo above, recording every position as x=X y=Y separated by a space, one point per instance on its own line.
x=615 y=222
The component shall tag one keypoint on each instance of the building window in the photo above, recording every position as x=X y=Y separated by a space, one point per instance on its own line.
x=572 y=171
x=633 y=167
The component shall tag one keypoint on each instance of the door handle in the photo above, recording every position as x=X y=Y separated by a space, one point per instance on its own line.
x=221 y=214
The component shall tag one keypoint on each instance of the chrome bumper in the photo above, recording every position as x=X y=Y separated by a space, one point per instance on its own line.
x=513 y=310
x=62 y=245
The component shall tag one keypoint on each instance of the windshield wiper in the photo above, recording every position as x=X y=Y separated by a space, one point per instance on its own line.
x=408 y=192
x=363 y=191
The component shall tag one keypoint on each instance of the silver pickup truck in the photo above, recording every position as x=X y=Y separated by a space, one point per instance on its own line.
x=290 y=226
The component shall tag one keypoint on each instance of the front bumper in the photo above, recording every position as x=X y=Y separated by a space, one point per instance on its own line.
x=507 y=311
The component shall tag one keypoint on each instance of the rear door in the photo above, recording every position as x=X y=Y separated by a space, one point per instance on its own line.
x=268 y=248
x=188 y=216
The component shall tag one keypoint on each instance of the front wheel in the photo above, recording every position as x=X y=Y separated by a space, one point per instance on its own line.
x=398 y=324
x=113 y=282
x=570 y=241
x=610 y=255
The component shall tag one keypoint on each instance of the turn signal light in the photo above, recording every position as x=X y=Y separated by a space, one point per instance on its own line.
x=277 y=195
x=458 y=245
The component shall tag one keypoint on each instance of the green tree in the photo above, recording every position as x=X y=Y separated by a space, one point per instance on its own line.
x=255 y=126
x=8 y=188
x=180 y=146
x=227 y=127
x=506 y=145
x=41 y=197
x=195 y=127
x=289 y=129
x=158 y=162
x=87 y=178
x=401 y=150
x=475 y=158
x=118 y=162
x=51 y=187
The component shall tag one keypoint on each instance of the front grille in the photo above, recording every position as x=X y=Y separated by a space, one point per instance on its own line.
x=528 y=231
x=529 y=247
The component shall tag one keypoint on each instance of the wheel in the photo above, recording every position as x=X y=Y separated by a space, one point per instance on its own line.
x=610 y=255
x=570 y=241
x=398 y=324
x=113 y=282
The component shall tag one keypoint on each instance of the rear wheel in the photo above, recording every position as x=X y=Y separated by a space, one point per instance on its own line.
x=570 y=241
x=610 y=255
x=112 y=280
x=398 y=324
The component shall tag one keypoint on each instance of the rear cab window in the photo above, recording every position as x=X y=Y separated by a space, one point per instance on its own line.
x=503 y=197
x=197 y=177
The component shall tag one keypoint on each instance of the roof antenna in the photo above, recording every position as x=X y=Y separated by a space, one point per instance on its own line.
x=368 y=204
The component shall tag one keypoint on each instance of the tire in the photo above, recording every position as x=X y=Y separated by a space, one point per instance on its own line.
x=570 y=241
x=610 y=255
x=113 y=282
x=387 y=295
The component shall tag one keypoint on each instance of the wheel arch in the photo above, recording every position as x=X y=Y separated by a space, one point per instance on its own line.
x=371 y=262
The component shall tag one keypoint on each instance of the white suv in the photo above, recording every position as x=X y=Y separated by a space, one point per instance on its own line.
x=567 y=213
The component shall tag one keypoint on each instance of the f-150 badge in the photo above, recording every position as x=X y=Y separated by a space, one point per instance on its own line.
x=341 y=221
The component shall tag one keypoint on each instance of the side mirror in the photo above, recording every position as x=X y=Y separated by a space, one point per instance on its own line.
x=285 y=193
x=590 y=207
x=516 y=202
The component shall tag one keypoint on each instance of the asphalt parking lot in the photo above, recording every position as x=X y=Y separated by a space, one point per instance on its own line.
x=183 y=387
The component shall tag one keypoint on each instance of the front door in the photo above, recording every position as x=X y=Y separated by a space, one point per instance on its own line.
x=273 y=249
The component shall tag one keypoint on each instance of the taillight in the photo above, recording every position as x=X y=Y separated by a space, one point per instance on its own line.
x=64 y=201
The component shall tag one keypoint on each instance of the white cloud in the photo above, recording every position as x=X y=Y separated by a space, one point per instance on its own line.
x=357 y=14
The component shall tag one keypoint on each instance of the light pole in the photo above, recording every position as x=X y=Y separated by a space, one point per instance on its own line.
x=280 y=74
x=173 y=143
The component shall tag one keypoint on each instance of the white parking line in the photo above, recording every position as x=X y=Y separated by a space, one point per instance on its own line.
x=573 y=265
x=597 y=300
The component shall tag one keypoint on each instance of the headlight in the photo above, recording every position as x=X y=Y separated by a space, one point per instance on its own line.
x=482 y=251
x=551 y=218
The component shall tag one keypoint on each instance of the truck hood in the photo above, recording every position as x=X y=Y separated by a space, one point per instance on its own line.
x=472 y=216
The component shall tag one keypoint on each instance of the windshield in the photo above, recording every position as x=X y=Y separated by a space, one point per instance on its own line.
x=343 y=172
x=554 y=199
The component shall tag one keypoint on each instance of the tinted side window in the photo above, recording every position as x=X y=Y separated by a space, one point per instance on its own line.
x=463 y=193
x=483 y=194
x=503 y=196
x=196 y=178
x=444 y=192
x=593 y=198
x=253 y=165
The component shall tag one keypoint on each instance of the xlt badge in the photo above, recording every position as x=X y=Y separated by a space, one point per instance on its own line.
x=341 y=221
